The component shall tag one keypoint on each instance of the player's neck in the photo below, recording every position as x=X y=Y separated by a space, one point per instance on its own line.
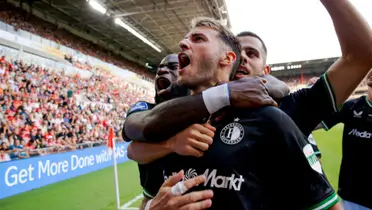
x=369 y=94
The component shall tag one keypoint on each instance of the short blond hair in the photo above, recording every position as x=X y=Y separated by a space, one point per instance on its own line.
x=226 y=36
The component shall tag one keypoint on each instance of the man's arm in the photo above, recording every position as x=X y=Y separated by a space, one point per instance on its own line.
x=171 y=117
x=276 y=88
x=144 y=153
x=166 y=119
x=144 y=202
x=192 y=141
x=355 y=37
x=301 y=184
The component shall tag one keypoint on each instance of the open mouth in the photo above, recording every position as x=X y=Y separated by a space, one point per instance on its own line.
x=183 y=60
x=163 y=83
x=242 y=70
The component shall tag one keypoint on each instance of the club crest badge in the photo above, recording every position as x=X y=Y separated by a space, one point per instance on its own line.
x=232 y=133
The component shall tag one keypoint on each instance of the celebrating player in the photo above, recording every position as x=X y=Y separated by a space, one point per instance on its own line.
x=355 y=177
x=209 y=44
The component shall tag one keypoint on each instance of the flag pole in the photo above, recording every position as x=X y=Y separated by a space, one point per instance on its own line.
x=113 y=143
x=116 y=177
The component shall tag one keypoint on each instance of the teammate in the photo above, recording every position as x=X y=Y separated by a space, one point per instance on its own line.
x=237 y=165
x=355 y=177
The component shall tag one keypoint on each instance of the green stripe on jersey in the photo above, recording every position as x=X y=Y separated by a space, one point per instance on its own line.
x=147 y=194
x=324 y=77
x=327 y=203
x=325 y=126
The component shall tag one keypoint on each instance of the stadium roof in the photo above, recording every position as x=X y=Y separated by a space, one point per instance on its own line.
x=163 y=22
x=317 y=66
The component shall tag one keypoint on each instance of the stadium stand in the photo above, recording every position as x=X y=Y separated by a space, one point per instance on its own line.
x=25 y=21
x=44 y=111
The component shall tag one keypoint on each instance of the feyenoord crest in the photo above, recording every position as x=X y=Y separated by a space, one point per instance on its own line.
x=312 y=159
x=232 y=133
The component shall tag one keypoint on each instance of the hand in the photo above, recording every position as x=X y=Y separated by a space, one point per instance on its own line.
x=193 y=141
x=197 y=200
x=250 y=92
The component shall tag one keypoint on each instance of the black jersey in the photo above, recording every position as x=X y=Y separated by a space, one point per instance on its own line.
x=152 y=173
x=259 y=159
x=308 y=106
x=355 y=177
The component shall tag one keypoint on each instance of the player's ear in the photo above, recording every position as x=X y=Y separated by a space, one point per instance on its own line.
x=267 y=70
x=228 y=59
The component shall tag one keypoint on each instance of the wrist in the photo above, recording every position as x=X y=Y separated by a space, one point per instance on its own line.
x=148 y=205
x=216 y=98
x=169 y=145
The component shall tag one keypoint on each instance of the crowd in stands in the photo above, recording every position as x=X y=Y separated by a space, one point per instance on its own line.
x=298 y=82
x=23 y=20
x=44 y=111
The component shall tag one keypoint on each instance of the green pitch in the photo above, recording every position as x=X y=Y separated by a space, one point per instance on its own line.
x=95 y=191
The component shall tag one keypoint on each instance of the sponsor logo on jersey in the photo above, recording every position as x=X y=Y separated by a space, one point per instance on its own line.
x=311 y=139
x=312 y=159
x=233 y=182
x=139 y=106
x=358 y=114
x=232 y=133
x=360 y=134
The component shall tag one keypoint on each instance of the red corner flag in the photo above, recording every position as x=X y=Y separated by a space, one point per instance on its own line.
x=110 y=139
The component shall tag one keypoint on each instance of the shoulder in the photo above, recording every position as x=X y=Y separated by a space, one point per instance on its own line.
x=139 y=107
x=274 y=120
x=350 y=104
x=270 y=113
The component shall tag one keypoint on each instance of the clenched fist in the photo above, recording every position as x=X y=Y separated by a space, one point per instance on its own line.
x=193 y=141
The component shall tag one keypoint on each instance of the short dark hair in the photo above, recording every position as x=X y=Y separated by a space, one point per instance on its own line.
x=226 y=36
x=248 y=33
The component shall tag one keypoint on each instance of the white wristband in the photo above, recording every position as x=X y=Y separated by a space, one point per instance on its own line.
x=216 y=98
x=148 y=204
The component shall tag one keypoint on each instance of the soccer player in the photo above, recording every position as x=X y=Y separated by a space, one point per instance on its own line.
x=241 y=165
x=151 y=173
x=355 y=177
x=165 y=89
x=303 y=106
x=342 y=77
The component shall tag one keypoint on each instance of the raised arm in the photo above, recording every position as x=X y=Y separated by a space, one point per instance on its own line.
x=355 y=37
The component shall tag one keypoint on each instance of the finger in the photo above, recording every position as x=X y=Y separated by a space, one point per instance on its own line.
x=194 y=181
x=210 y=127
x=199 y=145
x=194 y=197
x=203 y=138
x=173 y=179
x=269 y=101
x=191 y=151
x=203 y=130
x=205 y=204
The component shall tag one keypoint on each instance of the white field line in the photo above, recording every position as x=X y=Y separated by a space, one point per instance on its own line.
x=129 y=203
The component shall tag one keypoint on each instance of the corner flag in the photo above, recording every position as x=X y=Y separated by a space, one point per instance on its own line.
x=111 y=146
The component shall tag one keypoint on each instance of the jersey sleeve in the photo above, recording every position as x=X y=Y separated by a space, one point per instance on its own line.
x=151 y=178
x=313 y=143
x=295 y=173
x=308 y=106
x=139 y=106
x=337 y=117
